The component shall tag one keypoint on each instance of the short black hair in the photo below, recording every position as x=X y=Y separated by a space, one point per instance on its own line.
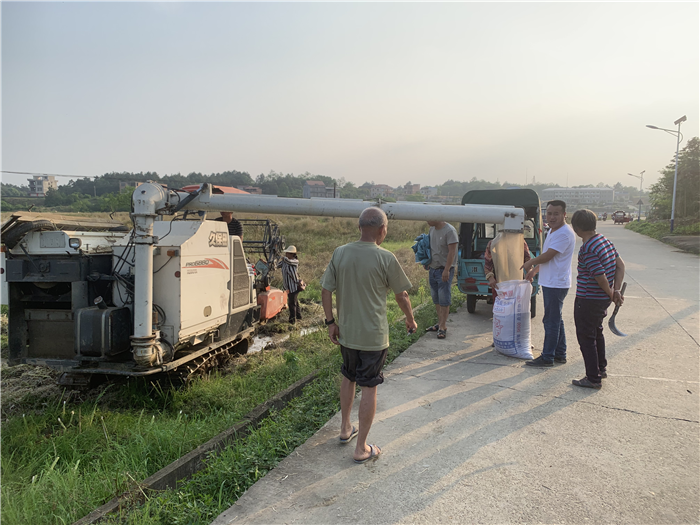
x=557 y=203
x=584 y=220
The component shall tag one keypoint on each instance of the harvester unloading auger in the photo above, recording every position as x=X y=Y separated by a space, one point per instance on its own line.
x=169 y=296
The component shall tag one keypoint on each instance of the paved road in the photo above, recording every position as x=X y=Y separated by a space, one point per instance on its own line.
x=471 y=436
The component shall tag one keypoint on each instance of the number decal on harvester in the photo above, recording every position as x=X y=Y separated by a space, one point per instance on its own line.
x=218 y=239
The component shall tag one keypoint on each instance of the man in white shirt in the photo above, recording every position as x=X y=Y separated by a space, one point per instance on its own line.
x=554 y=268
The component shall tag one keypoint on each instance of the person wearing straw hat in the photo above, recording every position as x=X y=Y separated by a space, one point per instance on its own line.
x=291 y=281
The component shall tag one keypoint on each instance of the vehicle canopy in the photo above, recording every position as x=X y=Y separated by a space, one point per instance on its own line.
x=475 y=236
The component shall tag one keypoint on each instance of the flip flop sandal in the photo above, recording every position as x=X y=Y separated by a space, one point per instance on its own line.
x=442 y=334
x=372 y=454
x=434 y=328
x=352 y=436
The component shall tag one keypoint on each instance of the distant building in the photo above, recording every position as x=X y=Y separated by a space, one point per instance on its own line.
x=407 y=189
x=578 y=195
x=314 y=188
x=381 y=190
x=128 y=184
x=40 y=184
x=251 y=189
x=317 y=189
x=428 y=191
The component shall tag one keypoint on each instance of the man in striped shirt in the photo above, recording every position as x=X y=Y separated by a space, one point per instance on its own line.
x=600 y=275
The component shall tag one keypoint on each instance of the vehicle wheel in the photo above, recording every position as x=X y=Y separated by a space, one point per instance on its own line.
x=471 y=303
x=533 y=306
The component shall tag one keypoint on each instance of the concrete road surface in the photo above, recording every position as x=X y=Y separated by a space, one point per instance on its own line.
x=471 y=436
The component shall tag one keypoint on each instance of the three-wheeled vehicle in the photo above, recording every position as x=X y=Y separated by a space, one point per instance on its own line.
x=473 y=238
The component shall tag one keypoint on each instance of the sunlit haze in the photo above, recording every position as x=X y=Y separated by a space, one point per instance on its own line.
x=388 y=92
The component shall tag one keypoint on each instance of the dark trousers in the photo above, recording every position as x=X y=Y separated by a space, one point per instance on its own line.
x=294 y=308
x=588 y=316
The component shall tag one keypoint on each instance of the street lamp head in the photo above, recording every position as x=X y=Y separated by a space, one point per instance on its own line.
x=682 y=119
x=652 y=127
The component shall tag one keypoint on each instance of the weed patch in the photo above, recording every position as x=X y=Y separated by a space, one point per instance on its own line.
x=658 y=230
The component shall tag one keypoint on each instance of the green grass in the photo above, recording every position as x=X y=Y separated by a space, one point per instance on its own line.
x=658 y=230
x=4 y=348
x=61 y=462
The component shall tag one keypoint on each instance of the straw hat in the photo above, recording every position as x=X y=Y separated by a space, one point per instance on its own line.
x=290 y=249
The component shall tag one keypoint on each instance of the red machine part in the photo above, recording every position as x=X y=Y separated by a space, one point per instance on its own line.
x=272 y=302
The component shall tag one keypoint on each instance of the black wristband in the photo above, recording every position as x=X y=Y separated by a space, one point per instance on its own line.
x=328 y=323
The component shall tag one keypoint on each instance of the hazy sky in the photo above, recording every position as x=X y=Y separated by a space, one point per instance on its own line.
x=385 y=92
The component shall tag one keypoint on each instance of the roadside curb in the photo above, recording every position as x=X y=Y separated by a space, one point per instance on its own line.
x=194 y=461
x=687 y=243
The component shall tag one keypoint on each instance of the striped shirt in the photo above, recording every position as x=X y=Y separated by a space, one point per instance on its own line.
x=290 y=274
x=596 y=257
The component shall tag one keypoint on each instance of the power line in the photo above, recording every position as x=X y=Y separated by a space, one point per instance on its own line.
x=46 y=174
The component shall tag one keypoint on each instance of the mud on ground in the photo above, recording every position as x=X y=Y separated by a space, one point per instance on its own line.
x=30 y=389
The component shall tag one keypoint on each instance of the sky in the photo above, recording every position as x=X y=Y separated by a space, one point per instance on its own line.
x=383 y=92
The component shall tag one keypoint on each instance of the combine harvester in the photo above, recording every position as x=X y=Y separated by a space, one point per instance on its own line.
x=169 y=296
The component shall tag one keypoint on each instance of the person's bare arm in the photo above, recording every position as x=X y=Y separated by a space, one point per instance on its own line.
x=619 y=278
x=602 y=281
x=540 y=259
x=532 y=272
x=488 y=266
x=404 y=302
x=451 y=252
x=327 y=302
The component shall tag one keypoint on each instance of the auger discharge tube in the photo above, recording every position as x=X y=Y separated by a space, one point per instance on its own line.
x=511 y=217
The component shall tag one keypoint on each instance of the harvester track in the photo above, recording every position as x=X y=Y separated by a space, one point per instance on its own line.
x=203 y=365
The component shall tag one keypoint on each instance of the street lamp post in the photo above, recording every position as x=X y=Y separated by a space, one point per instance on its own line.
x=641 y=181
x=679 y=136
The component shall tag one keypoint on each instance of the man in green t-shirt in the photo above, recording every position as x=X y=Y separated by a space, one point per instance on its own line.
x=361 y=274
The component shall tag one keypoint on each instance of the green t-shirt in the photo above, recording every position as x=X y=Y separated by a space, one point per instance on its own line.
x=361 y=274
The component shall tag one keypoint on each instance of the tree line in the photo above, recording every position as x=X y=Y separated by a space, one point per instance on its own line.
x=102 y=193
x=687 y=186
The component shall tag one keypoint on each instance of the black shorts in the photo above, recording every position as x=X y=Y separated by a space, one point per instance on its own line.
x=363 y=367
